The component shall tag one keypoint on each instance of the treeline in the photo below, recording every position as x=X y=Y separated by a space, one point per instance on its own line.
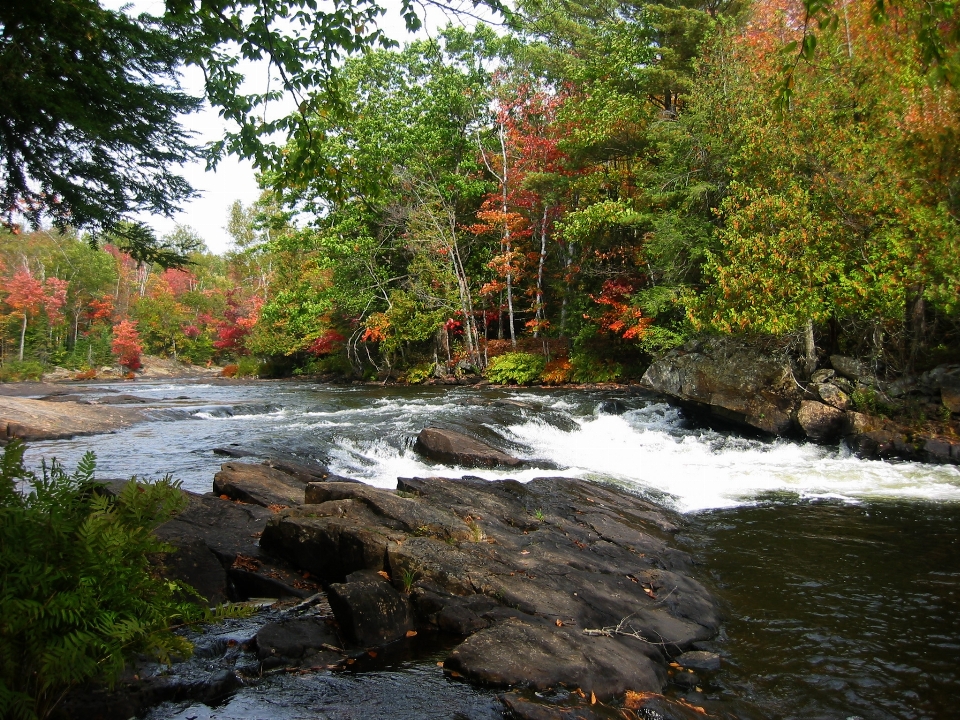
x=588 y=190
x=618 y=176
x=65 y=303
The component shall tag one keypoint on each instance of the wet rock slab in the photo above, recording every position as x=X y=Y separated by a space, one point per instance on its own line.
x=451 y=447
x=557 y=582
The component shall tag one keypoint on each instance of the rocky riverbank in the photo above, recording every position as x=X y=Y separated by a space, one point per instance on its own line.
x=569 y=595
x=911 y=417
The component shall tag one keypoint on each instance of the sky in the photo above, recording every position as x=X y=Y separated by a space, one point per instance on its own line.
x=235 y=179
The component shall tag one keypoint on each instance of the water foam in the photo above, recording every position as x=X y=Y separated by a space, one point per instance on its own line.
x=648 y=450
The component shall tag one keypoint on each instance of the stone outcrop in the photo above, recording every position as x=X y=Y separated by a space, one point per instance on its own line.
x=732 y=380
x=451 y=447
x=554 y=582
x=41 y=420
x=258 y=484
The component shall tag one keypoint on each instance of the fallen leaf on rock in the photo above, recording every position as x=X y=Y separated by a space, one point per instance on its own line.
x=649 y=592
x=245 y=562
x=440 y=664
x=372 y=653
x=411 y=633
x=635 y=700
x=559 y=622
x=695 y=708
x=224 y=497
x=675 y=664
x=384 y=574
x=454 y=673
x=593 y=698
x=257 y=534
x=276 y=508
x=524 y=552
x=350 y=661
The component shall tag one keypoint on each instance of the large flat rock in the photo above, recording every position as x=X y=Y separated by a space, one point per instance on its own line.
x=552 y=582
x=259 y=484
x=40 y=420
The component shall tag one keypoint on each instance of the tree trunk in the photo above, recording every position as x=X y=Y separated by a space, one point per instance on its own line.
x=23 y=335
x=810 y=349
x=543 y=259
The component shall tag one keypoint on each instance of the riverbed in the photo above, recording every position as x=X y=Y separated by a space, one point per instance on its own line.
x=840 y=577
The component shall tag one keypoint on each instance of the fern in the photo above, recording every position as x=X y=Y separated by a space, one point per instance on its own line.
x=517 y=367
x=78 y=592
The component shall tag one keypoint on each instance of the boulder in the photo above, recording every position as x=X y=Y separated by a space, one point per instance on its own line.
x=822 y=375
x=292 y=639
x=699 y=660
x=229 y=532
x=950 y=398
x=820 y=421
x=258 y=484
x=369 y=611
x=612 y=407
x=732 y=380
x=849 y=367
x=540 y=655
x=455 y=448
x=832 y=395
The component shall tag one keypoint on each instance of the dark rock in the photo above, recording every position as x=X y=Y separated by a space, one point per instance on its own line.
x=414 y=517
x=231 y=532
x=332 y=539
x=950 y=398
x=130 y=699
x=449 y=446
x=523 y=708
x=231 y=452
x=459 y=620
x=526 y=568
x=736 y=382
x=120 y=399
x=195 y=564
x=819 y=421
x=540 y=656
x=370 y=612
x=850 y=368
x=822 y=375
x=294 y=638
x=612 y=407
x=832 y=395
x=258 y=484
x=685 y=680
x=941 y=450
x=699 y=660
x=305 y=472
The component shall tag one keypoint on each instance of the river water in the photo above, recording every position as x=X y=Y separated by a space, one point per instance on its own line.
x=839 y=577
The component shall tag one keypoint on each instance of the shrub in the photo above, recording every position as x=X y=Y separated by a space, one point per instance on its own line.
x=248 y=367
x=77 y=588
x=558 y=371
x=517 y=367
x=126 y=345
x=590 y=369
x=229 y=371
x=421 y=373
x=17 y=371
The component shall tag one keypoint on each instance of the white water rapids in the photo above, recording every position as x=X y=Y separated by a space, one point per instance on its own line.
x=367 y=433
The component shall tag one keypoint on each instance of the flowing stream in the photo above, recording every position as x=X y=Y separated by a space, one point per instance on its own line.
x=840 y=578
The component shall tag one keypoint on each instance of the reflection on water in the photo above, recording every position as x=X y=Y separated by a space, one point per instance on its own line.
x=841 y=577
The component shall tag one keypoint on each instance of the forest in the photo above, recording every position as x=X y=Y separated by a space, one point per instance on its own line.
x=559 y=199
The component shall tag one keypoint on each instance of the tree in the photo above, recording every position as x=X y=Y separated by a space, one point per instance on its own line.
x=126 y=344
x=90 y=126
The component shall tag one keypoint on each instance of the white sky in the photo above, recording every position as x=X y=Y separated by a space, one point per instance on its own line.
x=234 y=179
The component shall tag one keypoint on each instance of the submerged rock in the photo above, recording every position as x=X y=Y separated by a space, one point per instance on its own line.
x=449 y=446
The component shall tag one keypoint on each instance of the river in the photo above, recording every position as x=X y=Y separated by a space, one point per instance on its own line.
x=840 y=578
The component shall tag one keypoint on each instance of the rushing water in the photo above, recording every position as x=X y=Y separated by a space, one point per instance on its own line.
x=840 y=577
